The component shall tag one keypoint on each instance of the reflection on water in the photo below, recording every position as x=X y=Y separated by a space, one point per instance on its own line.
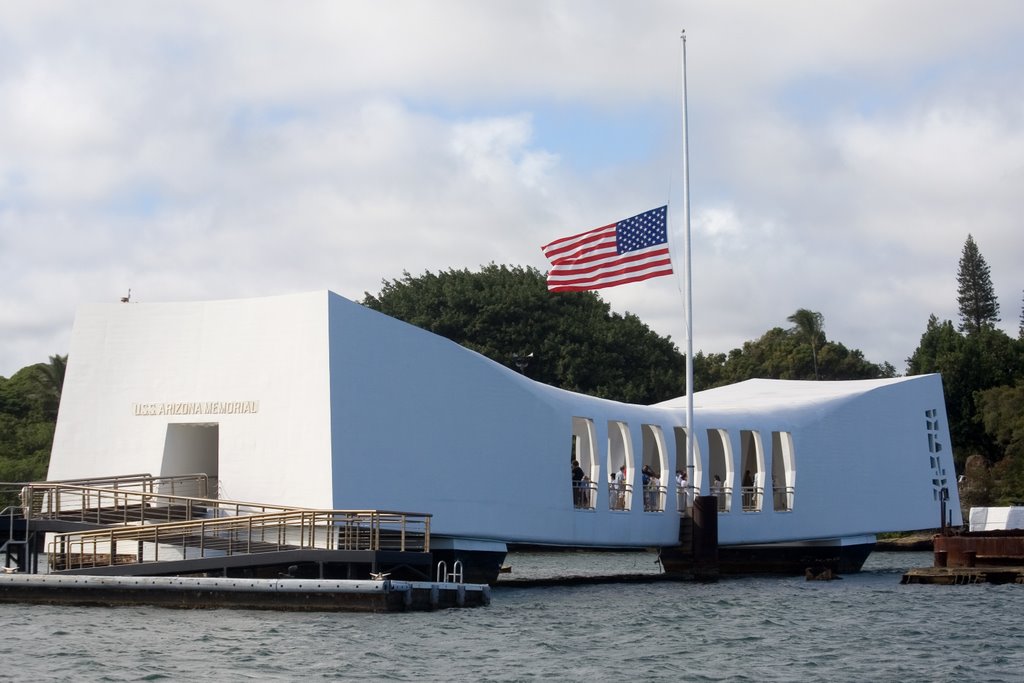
x=546 y=565
x=865 y=627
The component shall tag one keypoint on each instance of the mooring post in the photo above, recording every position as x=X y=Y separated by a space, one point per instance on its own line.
x=705 y=538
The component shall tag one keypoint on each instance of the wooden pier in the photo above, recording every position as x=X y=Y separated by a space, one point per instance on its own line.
x=974 y=557
x=959 y=576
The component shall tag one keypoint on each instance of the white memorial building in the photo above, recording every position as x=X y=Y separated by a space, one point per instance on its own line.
x=316 y=401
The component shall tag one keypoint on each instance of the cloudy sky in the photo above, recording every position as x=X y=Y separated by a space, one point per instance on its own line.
x=840 y=153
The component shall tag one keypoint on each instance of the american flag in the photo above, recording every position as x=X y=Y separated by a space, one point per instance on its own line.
x=631 y=250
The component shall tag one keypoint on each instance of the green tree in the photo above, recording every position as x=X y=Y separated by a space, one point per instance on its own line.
x=782 y=354
x=26 y=429
x=571 y=339
x=939 y=348
x=1001 y=412
x=49 y=379
x=810 y=326
x=979 y=308
x=977 y=489
x=968 y=364
x=709 y=370
x=1020 y=329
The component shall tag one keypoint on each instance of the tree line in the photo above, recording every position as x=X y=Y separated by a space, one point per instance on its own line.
x=574 y=340
x=982 y=371
x=28 y=414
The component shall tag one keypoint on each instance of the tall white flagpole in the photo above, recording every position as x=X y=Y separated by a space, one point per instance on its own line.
x=688 y=285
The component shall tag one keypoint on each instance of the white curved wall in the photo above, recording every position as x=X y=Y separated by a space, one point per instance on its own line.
x=358 y=410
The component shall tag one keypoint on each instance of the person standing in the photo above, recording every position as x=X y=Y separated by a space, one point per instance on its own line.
x=682 y=501
x=718 y=491
x=577 y=484
x=645 y=474
x=748 y=490
x=620 y=486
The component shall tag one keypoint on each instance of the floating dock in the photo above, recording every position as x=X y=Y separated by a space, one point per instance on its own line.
x=317 y=595
x=136 y=540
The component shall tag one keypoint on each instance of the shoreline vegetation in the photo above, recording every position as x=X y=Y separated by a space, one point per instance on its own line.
x=911 y=541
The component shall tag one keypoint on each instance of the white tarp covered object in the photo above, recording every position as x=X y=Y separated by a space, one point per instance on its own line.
x=997 y=519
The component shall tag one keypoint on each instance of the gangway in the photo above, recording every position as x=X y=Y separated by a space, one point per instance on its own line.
x=310 y=543
x=19 y=545
x=68 y=506
x=97 y=502
x=195 y=484
x=143 y=525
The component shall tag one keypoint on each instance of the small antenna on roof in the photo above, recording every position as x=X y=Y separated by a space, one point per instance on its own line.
x=126 y=299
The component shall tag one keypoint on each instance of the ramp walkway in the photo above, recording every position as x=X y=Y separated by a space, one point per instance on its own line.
x=135 y=499
x=254 y=544
x=33 y=509
x=139 y=525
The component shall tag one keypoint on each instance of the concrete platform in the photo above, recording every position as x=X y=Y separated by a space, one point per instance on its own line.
x=209 y=593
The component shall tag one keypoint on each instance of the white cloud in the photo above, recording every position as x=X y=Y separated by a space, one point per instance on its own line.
x=840 y=153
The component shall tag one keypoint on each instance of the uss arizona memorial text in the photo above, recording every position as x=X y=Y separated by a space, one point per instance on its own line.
x=197 y=408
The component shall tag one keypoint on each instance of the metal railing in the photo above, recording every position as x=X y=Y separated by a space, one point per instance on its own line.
x=584 y=495
x=684 y=499
x=783 y=498
x=724 y=495
x=751 y=497
x=195 y=484
x=6 y=550
x=620 y=496
x=93 y=505
x=654 y=498
x=252 y=534
x=10 y=494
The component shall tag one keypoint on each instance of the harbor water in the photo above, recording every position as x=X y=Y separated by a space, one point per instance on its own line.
x=865 y=627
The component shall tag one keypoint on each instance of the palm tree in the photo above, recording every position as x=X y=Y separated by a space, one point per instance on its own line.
x=810 y=325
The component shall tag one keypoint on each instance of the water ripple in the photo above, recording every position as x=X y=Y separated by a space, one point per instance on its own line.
x=866 y=627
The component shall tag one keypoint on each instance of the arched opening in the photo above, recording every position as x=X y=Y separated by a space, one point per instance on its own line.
x=620 y=466
x=720 y=468
x=688 y=475
x=584 y=456
x=752 y=466
x=783 y=471
x=654 y=470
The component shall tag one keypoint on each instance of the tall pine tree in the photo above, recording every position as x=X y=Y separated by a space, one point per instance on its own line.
x=976 y=297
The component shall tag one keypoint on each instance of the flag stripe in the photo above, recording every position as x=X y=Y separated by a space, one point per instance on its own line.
x=610 y=278
x=566 y=247
x=595 y=264
x=630 y=250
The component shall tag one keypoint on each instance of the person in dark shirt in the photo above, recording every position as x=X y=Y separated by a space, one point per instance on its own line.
x=577 y=483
